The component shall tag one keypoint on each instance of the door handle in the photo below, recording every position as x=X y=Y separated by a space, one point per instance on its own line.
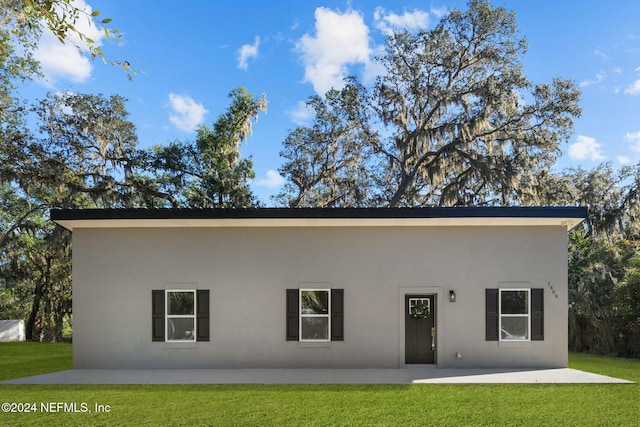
x=433 y=338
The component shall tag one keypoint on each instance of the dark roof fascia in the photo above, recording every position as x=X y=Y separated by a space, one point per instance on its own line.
x=322 y=213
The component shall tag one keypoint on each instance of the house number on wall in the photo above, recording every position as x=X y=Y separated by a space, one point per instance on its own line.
x=553 y=291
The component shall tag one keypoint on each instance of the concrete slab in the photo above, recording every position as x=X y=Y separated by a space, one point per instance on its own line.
x=413 y=375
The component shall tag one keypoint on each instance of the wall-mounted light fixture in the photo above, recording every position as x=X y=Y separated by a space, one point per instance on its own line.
x=452 y=296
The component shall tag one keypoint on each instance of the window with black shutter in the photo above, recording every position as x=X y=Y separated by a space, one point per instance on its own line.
x=315 y=315
x=180 y=315
x=514 y=314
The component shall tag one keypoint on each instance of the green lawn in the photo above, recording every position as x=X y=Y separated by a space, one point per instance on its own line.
x=23 y=359
x=220 y=405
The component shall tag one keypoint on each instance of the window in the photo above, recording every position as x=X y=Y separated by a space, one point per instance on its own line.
x=514 y=315
x=180 y=315
x=419 y=306
x=315 y=315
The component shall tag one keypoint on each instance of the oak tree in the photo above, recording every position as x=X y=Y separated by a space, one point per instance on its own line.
x=452 y=120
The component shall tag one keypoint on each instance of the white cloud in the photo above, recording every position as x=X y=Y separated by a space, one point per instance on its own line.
x=68 y=61
x=187 y=113
x=599 y=53
x=634 y=139
x=341 y=39
x=301 y=115
x=272 y=181
x=633 y=89
x=586 y=148
x=439 y=12
x=599 y=78
x=624 y=160
x=389 y=23
x=247 y=52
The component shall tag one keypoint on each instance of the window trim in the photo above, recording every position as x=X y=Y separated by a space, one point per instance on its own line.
x=168 y=316
x=510 y=315
x=327 y=315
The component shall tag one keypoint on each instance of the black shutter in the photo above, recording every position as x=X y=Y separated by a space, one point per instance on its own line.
x=492 y=315
x=293 y=313
x=537 y=314
x=337 y=314
x=202 y=314
x=157 y=315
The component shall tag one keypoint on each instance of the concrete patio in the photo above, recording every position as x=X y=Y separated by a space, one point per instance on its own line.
x=412 y=375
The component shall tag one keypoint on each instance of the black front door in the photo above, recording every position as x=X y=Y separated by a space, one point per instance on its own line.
x=419 y=327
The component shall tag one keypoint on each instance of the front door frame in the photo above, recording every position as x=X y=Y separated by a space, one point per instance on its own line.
x=438 y=293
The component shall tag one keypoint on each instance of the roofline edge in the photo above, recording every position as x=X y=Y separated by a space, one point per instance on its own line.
x=320 y=213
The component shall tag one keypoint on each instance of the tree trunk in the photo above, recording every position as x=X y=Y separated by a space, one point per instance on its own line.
x=35 y=307
x=400 y=191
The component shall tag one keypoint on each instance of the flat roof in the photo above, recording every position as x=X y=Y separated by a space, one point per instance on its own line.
x=565 y=216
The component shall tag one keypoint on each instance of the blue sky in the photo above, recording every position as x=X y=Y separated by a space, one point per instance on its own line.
x=193 y=53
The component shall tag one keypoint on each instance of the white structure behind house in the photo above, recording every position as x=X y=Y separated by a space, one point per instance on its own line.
x=12 y=330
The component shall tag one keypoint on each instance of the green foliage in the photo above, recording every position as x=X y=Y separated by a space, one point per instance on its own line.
x=627 y=311
x=210 y=172
x=451 y=121
x=85 y=155
x=16 y=66
x=33 y=263
x=24 y=20
x=603 y=257
x=329 y=164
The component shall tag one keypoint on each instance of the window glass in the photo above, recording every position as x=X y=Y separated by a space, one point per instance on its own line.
x=515 y=328
x=421 y=303
x=314 y=302
x=181 y=319
x=314 y=314
x=315 y=328
x=179 y=329
x=514 y=315
x=180 y=303
x=514 y=302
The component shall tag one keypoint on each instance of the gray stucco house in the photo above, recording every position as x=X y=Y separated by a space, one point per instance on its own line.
x=335 y=288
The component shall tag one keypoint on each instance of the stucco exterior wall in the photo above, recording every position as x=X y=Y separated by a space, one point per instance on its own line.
x=248 y=270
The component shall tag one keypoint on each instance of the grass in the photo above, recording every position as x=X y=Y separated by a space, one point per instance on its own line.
x=23 y=359
x=220 y=405
x=618 y=367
